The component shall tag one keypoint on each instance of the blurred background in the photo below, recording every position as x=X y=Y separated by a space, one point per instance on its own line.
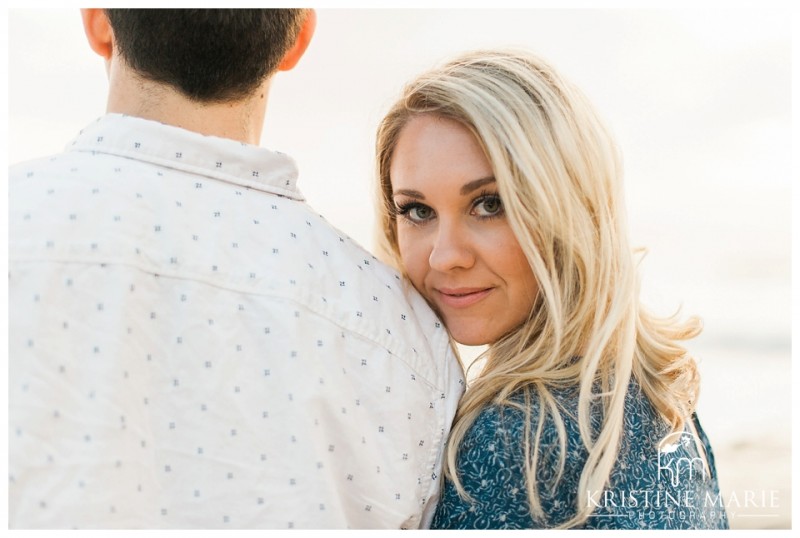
x=699 y=100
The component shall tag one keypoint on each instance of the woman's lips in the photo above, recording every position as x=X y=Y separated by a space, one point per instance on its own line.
x=461 y=297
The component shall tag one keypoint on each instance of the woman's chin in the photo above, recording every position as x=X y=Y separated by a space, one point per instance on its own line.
x=470 y=338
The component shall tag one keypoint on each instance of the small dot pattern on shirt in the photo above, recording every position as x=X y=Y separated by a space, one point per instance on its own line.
x=191 y=346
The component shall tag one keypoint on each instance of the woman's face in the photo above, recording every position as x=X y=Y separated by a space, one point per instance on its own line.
x=455 y=242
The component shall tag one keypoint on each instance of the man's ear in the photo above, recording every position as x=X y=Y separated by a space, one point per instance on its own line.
x=98 y=31
x=294 y=54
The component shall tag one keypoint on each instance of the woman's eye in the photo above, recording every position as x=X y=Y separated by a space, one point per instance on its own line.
x=416 y=212
x=420 y=212
x=489 y=206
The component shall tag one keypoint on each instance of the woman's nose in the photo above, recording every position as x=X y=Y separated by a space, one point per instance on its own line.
x=452 y=248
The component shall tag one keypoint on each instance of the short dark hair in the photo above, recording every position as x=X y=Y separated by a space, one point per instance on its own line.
x=209 y=55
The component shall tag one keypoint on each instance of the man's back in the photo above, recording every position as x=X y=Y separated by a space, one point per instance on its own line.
x=191 y=346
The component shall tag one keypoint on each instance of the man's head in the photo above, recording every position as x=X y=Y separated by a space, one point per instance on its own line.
x=208 y=55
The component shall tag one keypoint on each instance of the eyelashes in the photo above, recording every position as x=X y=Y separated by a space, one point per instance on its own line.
x=485 y=206
x=492 y=205
x=414 y=212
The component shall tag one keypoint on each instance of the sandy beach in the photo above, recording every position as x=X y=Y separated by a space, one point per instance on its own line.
x=746 y=412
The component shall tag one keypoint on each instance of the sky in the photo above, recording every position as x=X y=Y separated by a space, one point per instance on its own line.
x=699 y=100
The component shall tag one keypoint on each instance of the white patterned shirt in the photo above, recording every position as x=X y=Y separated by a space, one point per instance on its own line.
x=191 y=346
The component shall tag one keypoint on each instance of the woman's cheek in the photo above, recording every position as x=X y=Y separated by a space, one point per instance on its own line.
x=414 y=254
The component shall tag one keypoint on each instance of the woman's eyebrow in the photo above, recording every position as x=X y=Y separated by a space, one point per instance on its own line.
x=465 y=189
x=476 y=184
x=410 y=193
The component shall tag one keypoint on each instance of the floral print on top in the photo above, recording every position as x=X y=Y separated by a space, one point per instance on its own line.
x=649 y=488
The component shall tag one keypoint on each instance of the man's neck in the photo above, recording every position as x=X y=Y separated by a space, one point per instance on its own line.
x=241 y=120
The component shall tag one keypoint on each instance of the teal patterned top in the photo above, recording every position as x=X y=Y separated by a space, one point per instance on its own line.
x=649 y=488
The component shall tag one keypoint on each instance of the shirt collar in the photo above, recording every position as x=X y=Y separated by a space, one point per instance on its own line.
x=172 y=147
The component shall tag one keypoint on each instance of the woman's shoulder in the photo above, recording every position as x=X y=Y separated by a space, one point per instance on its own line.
x=495 y=435
x=661 y=479
x=491 y=468
x=516 y=419
x=506 y=425
x=503 y=430
x=493 y=459
x=649 y=484
x=648 y=488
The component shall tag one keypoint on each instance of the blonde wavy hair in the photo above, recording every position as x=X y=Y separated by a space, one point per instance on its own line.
x=559 y=175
